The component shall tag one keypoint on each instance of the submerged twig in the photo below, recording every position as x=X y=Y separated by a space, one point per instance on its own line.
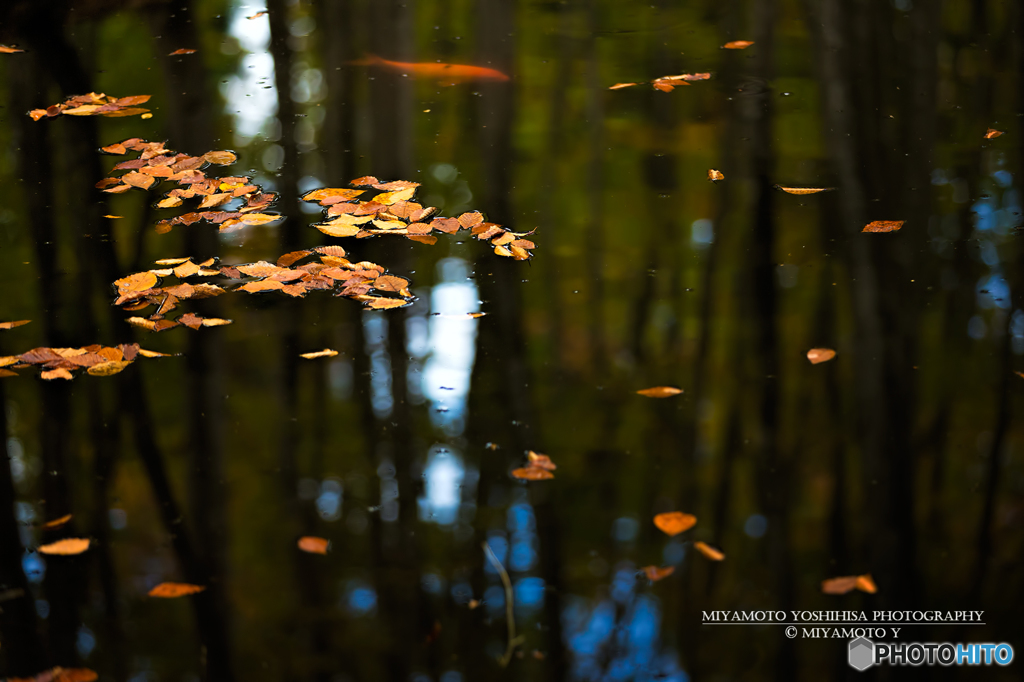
x=513 y=641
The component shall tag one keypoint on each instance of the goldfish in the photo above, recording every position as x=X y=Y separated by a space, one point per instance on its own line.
x=448 y=74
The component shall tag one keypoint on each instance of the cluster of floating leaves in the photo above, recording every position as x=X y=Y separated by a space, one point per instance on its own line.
x=94 y=104
x=666 y=83
x=538 y=468
x=363 y=281
x=155 y=163
x=392 y=211
x=61 y=363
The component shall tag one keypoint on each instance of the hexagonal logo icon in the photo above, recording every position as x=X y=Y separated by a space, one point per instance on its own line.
x=861 y=653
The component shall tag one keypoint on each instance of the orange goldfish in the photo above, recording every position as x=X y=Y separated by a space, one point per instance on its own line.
x=447 y=74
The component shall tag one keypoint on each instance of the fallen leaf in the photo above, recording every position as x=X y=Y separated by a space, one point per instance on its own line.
x=261 y=285
x=423 y=238
x=379 y=303
x=171 y=590
x=153 y=354
x=992 y=132
x=866 y=584
x=220 y=158
x=803 y=190
x=664 y=86
x=12 y=325
x=59 y=373
x=65 y=547
x=59 y=674
x=314 y=545
x=290 y=258
x=258 y=15
x=56 y=523
x=660 y=391
x=7 y=373
x=674 y=523
x=883 y=226
x=473 y=603
x=215 y=322
x=540 y=461
x=325 y=353
x=708 y=551
x=140 y=281
x=6 y=49
x=839 y=585
x=654 y=574
x=532 y=473
x=817 y=355
x=107 y=369
x=472 y=219
x=619 y=86
x=181 y=51
x=715 y=175
x=341 y=194
x=738 y=45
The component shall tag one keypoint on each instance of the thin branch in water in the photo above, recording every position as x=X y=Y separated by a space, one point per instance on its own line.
x=513 y=641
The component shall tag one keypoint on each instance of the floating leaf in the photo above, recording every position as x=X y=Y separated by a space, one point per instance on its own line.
x=619 y=86
x=325 y=353
x=12 y=325
x=314 y=545
x=532 y=473
x=171 y=590
x=221 y=158
x=65 y=547
x=738 y=44
x=107 y=369
x=181 y=51
x=59 y=373
x=340 y=194
x=715 y=175
x=883 y=226
x=992 y=132
x=379 y=303
x=290 y=258
x=839 y=585
x=865 y=583
x=803 y=190
x=540 y=461
x=7 y=373
x=674 y=523
x=7 y=49
x=818 y=355
x=59 y=674
x=56 y=523
x=654 y=574
x=660 y=391
x=258 y=15
x=708 y=551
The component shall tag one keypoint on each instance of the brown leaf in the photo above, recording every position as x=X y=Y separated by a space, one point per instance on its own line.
x=262 y=285
x=379 y=303
x=365 y=181
x=448 y=225
x=419 y=228
x=396 y=185
x=803 y=190
x=715 y=175
x=738 y=44
x=65 y=547
x=992 y=132
x=423 y=238
x=332 y=250
x=708 y=551
x=140 y=180
x=289 y=259
x=7 y=373
x=532 y=473
x=818 y=355
x=654 y=574
x=181 y=50
x=56 y=523
x=468 y=220
x=172 y=590
x=524 y=244
x=7 y=49
x=59 y=373
x=540 y=461
x=390 y=283
x=319 y=195
x=314 y=545
x=257 y=15
x=619 y=86
x=12 y=325
x=59 y=674
x=660 y=391
x=839 y=585
x=106 y=369
x=220 y=158
x=883 y=226
x=674 y=523
x=325 y=353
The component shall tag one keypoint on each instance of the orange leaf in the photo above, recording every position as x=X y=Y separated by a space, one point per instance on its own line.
x=839 y=585
x=59 y=373
x=171 y=590
x=12 y=325
x=56 y=523
x=715 y=175
x=866 y=584
x=106 y=369
x=654 y=574
x=66 y=547
x=619 y=86
x=379 y=303
x=220 y=158
x=540 y=461
x=818 y=355
x=992 y=132
x=314 y=545
x=883 y=226
x=5 y=49
x=660 y=391
x=325 y=353
x=803 y=190
x=532 y=473
x=181 y=51
x=738 y=44
x=674 y=523
x=423 y=238
x=262 y=285
x=708 y=551
x=332 y=192
x=290 y=258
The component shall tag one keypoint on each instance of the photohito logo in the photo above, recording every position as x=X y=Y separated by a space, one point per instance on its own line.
x=862 y=653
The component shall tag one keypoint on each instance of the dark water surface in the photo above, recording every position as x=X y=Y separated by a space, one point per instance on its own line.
x=900 y=458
